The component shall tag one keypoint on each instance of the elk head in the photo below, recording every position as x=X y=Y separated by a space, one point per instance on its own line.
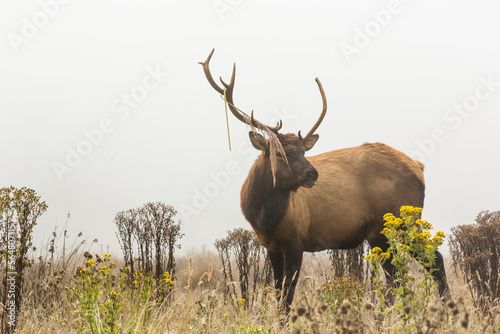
x=283 y=152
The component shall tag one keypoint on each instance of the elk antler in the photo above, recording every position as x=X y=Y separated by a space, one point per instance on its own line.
x=323 y=112
x=229 y=97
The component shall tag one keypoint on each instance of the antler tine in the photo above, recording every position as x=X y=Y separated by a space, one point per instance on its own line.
x=323 y=112
x=229 y=96
x=208 y=75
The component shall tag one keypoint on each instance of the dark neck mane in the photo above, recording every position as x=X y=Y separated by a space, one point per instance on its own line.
x=263 y=205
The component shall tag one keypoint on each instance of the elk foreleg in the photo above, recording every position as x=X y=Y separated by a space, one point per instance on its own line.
x=286 y=267
x=278 y=264
x=293 y=262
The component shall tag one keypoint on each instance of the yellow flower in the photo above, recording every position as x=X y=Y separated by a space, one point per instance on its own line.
x=427 y=225
x=103 y=270
x=389 y=216
x=114 y=293
x=91 y=262
x=376 y=250
x=393 y=222
x=241 y=301
x=126 y=269
x=440 y=234
x=135 y=283
x=429 y=246
x=106 y=255
x=100 y=293
x=410 y=210
x=387 y=255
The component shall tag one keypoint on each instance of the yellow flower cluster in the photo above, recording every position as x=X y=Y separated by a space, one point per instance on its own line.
x=424 y=223
x=169 y=282
x=391 y=221
x=377 y=255
x=408 y=227
x=407 y=210
x=423 y=237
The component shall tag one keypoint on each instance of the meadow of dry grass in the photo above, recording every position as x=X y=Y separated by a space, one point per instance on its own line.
x=197 y=305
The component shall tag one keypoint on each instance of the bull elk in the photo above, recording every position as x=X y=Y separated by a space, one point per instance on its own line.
x=291 y=217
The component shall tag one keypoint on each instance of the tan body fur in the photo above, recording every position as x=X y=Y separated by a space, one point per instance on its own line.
x=355 y=188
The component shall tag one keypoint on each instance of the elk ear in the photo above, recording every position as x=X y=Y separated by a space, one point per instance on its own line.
x=310 y=141
x=258 y=141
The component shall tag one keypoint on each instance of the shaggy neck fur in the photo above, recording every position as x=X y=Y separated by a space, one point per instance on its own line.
x=263 y=205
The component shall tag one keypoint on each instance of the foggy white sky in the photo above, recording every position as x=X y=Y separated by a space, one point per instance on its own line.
x=421 y=76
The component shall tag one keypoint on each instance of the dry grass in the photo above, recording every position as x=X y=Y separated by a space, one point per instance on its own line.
x=198 y=305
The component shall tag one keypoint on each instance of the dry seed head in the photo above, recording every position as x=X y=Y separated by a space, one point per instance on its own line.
x=322 y=308
x=293 y=318
x=368 y=306
x=346 y=305
x=407 y=310
x=301 y=311
x=464 y=323
x=451 y=304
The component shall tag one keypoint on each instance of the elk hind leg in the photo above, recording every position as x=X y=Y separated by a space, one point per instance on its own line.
x=439 y=274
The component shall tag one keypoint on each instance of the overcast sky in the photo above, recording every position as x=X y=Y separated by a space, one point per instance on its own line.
x=104 y=106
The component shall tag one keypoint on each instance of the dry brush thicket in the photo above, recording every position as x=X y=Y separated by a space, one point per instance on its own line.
x=148 y=237
x=475 y=250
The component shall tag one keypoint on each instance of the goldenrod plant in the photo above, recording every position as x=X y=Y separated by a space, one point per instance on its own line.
x=410 y=240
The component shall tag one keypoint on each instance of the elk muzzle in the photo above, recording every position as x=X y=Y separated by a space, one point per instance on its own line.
x=311 y=175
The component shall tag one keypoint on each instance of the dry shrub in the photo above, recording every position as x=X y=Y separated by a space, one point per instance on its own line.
x=349 y=262
x=476 y=251
x=151 y=233
x=248 y=255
